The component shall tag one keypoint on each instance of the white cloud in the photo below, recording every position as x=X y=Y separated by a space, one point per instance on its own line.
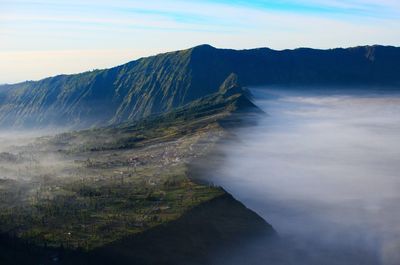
x=169 y=25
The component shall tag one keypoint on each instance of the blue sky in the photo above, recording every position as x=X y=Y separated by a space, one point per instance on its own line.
x=39 y=38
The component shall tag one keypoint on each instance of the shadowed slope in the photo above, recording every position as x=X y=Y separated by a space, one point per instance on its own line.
x=202 y=234
x=160 y=83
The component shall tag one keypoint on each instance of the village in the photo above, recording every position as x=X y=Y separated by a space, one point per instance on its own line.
x=60 y=194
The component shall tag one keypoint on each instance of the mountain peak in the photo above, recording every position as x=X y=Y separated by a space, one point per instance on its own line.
x=231 y=82
x=203 y=47
x=160 y=83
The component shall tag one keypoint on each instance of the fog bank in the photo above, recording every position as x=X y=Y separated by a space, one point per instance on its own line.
x=323 y=169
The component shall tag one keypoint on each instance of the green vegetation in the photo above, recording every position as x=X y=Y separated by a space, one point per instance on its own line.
x=86 y=189
x=92 y=213
x=161 y=83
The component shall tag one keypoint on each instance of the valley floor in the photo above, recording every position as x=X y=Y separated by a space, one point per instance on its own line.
x=87 y=190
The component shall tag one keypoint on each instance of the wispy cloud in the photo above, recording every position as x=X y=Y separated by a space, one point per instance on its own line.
x=28 y=25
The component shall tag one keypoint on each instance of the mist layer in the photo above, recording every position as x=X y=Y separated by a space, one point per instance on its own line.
x=323 y=169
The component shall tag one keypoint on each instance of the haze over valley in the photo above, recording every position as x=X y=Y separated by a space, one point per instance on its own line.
x=206 y=156
x=175 y=132
x=322 y=166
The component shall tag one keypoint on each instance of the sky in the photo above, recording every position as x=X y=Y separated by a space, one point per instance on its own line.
x=40 y=38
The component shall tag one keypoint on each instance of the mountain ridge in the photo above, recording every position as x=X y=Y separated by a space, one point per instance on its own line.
x=160 y=83
x=200 y=46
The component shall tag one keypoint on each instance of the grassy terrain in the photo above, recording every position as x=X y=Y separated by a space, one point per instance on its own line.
x=161 y=83
x=89 y=188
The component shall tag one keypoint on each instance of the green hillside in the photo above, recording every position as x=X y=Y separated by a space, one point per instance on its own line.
x=107 y=183
x=160 y=83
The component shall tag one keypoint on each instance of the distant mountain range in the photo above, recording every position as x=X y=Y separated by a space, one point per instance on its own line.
x=164 y=82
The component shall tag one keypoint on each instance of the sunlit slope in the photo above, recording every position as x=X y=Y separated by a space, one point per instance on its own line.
x=87 y=189
x=160 y=83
